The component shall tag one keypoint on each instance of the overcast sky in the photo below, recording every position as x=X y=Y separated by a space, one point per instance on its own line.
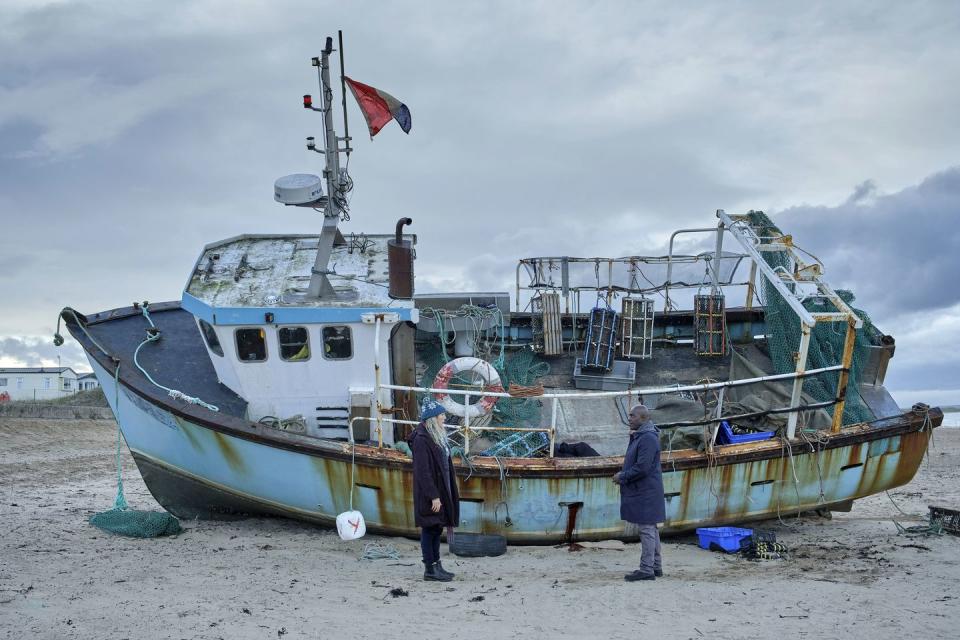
x=132 y=133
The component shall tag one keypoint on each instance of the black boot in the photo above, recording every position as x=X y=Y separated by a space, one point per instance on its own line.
x=432 y=573
x=444 y=571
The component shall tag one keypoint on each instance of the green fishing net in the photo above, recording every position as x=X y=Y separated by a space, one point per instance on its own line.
x=521 y=367
x=137 y=524
x=827 y=338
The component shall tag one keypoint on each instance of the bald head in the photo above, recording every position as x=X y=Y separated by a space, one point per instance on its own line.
x=638 y=415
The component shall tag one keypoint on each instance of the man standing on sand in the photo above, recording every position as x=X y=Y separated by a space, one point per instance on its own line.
x=641 y=491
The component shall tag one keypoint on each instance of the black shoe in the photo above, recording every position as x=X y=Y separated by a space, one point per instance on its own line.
x=432 y=573
x=658 y=573
x=638 y=575
x=444 y=571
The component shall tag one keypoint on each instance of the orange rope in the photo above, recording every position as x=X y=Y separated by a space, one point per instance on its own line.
x=520 y=391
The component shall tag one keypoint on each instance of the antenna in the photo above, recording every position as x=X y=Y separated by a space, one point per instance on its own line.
x=305 y=189
x=343 y=95
x=320 y=286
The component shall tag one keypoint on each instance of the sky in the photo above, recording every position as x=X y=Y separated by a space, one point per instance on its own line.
x=133 y=133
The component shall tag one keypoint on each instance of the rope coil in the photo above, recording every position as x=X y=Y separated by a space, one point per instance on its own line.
x=521 y=391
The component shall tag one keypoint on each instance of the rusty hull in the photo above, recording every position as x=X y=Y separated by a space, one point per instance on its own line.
x=527 y=500
x=541 y=501
x=738 y=484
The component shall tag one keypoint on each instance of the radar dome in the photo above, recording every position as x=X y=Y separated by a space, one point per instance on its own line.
x=298 y=188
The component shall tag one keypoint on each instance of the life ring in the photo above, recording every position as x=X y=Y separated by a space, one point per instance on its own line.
x=491 y=380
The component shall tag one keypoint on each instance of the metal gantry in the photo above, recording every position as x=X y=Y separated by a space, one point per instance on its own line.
x=803 y=283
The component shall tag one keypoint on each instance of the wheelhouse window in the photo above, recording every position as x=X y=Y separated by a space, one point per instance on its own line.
x=251 y=345
x=210 y=337
x=294 y=344
x=337 y=343
x=66 y=383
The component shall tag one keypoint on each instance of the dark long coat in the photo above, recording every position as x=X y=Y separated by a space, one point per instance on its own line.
x=641 y=485
x=428 y=482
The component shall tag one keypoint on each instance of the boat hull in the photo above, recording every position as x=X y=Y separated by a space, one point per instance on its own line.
x=197 y=468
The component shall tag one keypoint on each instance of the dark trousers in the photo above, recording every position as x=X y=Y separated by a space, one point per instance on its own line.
x=430 y=543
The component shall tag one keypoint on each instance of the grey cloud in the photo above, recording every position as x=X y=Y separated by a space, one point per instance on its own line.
x=31 y=351
x=928 y=375
x=899 y=252
x=863 y=193
x=14 y=263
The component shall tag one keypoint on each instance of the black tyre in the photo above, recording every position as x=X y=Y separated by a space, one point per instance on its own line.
x=478 y=545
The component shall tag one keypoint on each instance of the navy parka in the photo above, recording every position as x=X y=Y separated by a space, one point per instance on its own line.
x=641 y=484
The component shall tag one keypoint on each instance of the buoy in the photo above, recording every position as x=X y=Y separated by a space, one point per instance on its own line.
x=482 y=368
x=350 y=525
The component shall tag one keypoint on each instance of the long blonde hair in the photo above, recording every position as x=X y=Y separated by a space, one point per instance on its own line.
x=438 y=433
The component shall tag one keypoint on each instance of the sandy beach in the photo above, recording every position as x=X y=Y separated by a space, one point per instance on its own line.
x=851 y=576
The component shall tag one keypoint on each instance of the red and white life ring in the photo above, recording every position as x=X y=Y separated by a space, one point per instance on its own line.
x=482 y=368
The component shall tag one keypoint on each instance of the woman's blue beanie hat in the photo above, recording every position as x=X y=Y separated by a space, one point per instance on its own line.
x=430 y=408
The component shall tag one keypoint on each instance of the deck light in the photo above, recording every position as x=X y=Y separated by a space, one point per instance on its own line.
x=308 y=101
x=311 y=143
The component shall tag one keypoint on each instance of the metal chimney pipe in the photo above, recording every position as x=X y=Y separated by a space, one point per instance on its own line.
x=400 y=257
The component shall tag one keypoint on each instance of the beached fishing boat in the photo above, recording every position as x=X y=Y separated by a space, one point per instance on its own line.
x=286 y=378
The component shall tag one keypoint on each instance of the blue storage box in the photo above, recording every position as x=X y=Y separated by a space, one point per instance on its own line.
x=728 y=538
x=726 y=436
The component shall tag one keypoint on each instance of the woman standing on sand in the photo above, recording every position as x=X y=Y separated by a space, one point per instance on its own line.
x=436 y=500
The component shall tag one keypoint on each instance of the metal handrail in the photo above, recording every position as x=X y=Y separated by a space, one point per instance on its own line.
x=463 y=428
x=379 y=428
x=556 y=397
x=629 y=392
x=669 y=260
x=751 y=414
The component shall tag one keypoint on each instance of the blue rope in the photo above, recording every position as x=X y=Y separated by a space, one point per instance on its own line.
x=120 y=502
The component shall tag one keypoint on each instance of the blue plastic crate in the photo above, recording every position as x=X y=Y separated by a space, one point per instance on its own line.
x=726 y=436
x=728 y=538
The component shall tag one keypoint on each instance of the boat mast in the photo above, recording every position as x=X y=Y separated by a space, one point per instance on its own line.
x=320 y=286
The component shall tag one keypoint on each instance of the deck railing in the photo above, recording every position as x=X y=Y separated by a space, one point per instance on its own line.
x=555 y=399
x=463 y=429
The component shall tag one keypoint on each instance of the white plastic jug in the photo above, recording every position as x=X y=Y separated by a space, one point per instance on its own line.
x=350 y=525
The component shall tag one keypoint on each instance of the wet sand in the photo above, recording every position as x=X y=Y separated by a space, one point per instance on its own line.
x=847 y=577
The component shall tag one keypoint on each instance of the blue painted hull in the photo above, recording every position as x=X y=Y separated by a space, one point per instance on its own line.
x=197 y=471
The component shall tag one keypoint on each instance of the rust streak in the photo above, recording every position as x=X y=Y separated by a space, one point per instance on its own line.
x=572 y=509
x=229 y=453
x=187 y=430
x=856 y=452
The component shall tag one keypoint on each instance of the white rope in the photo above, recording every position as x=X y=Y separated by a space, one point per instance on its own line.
x=173 y=393
x=377 y=551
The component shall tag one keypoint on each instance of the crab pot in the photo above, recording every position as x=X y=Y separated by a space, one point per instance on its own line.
x=601 y=339
x=709 y=325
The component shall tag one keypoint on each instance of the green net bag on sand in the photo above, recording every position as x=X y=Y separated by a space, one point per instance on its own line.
x=124 y=521
x=137 y=524
x=129 y=522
